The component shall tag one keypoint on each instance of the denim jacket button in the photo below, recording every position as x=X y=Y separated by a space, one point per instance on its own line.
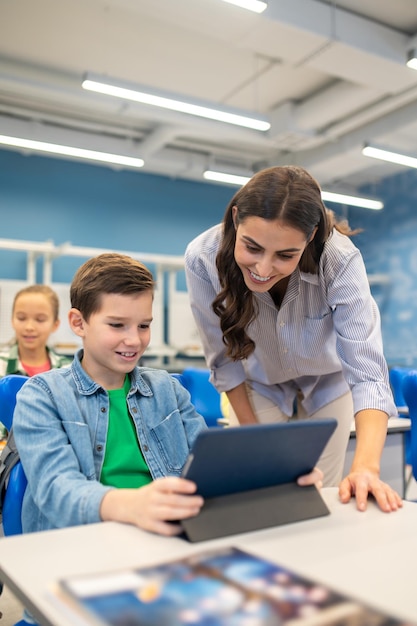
x=99 y=448
x=145 y=448
x=103 y=409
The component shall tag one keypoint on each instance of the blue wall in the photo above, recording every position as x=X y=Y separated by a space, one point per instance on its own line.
x=389 y=245
x=95 y=206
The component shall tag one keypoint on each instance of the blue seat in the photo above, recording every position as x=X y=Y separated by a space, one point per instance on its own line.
x=13 y=499
x=396 y=377
x=9 y=386
x=12 y=505
x=409 y=389
x=204 y=396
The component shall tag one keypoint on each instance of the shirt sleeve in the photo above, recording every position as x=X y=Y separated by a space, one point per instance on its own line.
x=357 y=324
x=64 y=492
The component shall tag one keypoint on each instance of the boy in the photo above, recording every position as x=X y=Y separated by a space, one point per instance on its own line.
x=105 y=439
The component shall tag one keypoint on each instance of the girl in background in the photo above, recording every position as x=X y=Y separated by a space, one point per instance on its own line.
x=35 y=316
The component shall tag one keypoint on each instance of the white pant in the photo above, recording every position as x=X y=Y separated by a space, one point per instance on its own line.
x=332 y=459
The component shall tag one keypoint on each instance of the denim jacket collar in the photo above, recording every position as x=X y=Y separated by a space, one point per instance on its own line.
x=87 y=386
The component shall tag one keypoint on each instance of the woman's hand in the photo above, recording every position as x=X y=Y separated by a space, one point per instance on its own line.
x=360 y=483
x=363 y=478
x=314 y=478
x=155 y=507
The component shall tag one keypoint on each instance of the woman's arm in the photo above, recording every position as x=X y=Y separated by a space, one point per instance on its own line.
x=239 y=400
x=360 y=349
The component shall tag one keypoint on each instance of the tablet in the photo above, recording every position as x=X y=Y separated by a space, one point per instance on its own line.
x=235 y=459
x=248 y=477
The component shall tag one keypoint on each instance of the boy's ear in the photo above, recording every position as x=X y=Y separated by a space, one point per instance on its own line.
x=76 y=322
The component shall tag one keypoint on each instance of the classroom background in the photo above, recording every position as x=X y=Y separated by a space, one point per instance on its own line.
x=44 y=199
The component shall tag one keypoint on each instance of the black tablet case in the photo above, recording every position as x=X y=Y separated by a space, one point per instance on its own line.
x=247 y=476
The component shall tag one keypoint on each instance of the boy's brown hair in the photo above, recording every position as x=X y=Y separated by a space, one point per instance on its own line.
x=107 y=273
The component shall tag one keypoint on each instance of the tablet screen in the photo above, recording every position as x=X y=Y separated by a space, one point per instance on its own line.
x=234 y=459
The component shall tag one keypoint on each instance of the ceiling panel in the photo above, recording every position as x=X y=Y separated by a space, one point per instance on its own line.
x=400 y=14
x=328 y=75
x=357 y=66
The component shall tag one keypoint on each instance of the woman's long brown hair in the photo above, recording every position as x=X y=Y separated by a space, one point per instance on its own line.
x=287 y=193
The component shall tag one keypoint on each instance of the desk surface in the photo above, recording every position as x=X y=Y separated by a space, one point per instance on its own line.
x=369 y=555
x=399 y=424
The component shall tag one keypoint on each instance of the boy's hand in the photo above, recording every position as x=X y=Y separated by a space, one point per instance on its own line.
x=154 y=507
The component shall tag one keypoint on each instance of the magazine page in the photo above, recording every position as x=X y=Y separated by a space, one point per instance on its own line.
x=226 y=587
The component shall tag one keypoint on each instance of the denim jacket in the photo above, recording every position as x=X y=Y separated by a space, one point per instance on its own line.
x=60 y=425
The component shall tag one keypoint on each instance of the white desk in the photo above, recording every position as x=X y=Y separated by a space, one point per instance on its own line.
x=369 y=555
x=393 y=455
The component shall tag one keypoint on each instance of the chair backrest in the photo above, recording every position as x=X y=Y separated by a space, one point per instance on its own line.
x=12 y=504
x=9 y=386
x=409 y=389
x=204 y=395
x=13 y=500
x=396 y=377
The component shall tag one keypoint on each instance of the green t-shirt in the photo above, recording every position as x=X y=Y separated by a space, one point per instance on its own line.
x=124 y=465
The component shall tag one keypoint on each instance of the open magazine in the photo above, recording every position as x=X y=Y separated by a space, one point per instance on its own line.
x=227 y=587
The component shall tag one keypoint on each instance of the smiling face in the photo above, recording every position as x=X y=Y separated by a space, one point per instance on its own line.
x=115 y=336
x=267 y=251
x=33 y=320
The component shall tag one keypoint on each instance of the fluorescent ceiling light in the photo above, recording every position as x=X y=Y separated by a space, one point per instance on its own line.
x=412 y=59
x=391 y=157
x=252 y=5
x=222 y=177
x=80 y=153
x=115 y=88
x=340 y=198
x=329 y=196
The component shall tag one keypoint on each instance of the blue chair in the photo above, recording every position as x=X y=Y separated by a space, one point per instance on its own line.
x=9 y=386
x=204 y=396
x=12 y=505
x=409 y=389
x=396 y=378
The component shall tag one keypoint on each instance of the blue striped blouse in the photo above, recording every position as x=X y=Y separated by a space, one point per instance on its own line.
x=324 y=339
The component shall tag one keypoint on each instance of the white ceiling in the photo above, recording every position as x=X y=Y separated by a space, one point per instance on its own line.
x=330 y=76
